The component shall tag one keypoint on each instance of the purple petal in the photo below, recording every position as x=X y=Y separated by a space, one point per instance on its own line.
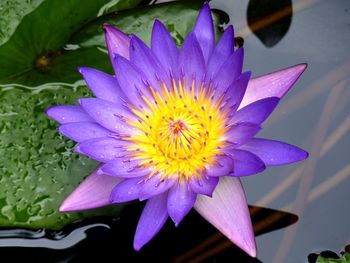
x=221 y=52
x=110 y=115
x=117 y=42
x=153 y=217
x=145 y=60
x=223 y=166
x=125 y=191
x=230 y=70
x=68 y=113
x=228 y=211
x=102 y=85
x=82 y=131
x=93 y=192
x=154 y=186
x=204 y=31
x=102 y=149
x=191 y=62
x=165 y=49
x=204 y=185
x=234 y=93
x=256 y=112
x=275 y=84
x=124 y=168
x=241 y=132
x=246 y=163
x=275 y=152
x=131 y=80
x=181 y=199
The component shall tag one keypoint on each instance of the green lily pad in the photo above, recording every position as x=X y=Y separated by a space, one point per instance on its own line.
x=37 y=52
x=38 y=167
x=344 y=259
x=12 y=13
x=178 y=17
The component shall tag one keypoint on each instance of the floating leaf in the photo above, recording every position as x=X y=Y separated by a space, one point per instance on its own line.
x=179 y=18
x=344 y=259
x=329 y=256
x=37 y=52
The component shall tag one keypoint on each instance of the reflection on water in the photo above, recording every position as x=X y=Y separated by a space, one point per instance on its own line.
x=195 y=240
x=261 y=12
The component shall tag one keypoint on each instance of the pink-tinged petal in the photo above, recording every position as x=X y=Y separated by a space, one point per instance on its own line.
x=241 y=132
x=256 y=112
x=117 y=42
x=204 y=31
x=275 y=84
x=131 y=80
x=125 y=191
x=274 y=152
x=83 y=131
x=152 y=219
x=93 y=192
x=110 y=115
x=228 y=211
x=245 y=163
x=154 y=186
x=230 y=70
x=102 y=149
x=224 y=165
x=221 y=52
x=68 y=113
x=124 y=168
x=142 y=56
x=102 y=85
x=204 y=185
x=165 y=49
x=181 y=199
x=191 y=62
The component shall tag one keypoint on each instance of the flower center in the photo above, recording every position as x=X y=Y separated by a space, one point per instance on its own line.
x=178 y=128
x=181 y=133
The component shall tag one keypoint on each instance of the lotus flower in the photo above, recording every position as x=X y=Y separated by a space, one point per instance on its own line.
x=176 y=128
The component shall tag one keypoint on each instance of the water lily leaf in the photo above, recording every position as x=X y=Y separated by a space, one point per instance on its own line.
x=179 y=18
x=37 y=52
x=38 y=167
x=12 y=13
x=344 y=259
x=328 y=256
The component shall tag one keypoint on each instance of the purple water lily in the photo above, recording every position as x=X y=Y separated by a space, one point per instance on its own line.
x=176 y=127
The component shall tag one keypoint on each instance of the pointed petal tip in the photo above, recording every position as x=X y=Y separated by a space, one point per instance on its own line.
x=70 y=205
x=64 y=207
x=81 y=70
x=138 y=245
x=228 y=212
x=108 y=27
x=48 y=111
x=251 y=251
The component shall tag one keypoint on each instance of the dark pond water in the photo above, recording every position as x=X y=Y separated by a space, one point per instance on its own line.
x=314 y=196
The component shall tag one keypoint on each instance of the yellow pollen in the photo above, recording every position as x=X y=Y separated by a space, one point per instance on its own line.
x=181 y=131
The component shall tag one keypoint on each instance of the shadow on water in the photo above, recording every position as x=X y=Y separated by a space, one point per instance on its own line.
x=111 y=238
x=262 y=11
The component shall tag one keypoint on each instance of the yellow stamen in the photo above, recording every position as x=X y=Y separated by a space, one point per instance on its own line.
x=181 y=131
